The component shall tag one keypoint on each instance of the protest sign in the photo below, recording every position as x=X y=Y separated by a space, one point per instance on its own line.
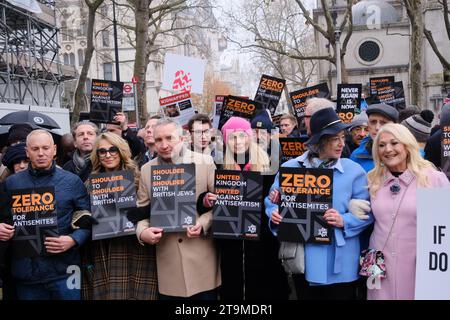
x=112 y=194
x=237 y=211
x=292 y=148
x=269 y=92
x=178 y=107
x=238 y=107
x=392 y=94
x=217 y=108
x=305 y=196
x=35 y=217
x=173 y=197
x=433 y=243
x=276 y=120
x=445 y=148
x=348 y=101
x=183 y=74
x=106 y=100
x=376 y=82
x=300 y=97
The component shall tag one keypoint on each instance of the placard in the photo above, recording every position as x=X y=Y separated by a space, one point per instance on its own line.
x=106 y=100
x=112 y=194
x=300 y=97
x=305 y=196
x=269 y=92
x=433 y=243
x=292 y=148
x=348 y=101
x=217 y=108
x=238 y=107
x=183 y=74
x=376 y=82
x=237 y=211
x=445 y=148
x=392 y=94
x=34 y=214
x=178 y=107
x=173 y=194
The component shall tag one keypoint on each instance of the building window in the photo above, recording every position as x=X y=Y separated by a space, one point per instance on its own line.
x=66 y=58
x=369 y=51
x=105 y=38
x=72 y=59
x=82 y=31
x=107 y=71
x=80 y=57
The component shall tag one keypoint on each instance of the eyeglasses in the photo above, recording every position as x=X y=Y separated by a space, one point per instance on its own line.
x=113 y=151
x=199 y=133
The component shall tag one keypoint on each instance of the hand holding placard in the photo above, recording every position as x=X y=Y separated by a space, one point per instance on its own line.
x=152 y=235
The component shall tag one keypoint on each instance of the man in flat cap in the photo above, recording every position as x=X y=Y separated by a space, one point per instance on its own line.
x=379 y=114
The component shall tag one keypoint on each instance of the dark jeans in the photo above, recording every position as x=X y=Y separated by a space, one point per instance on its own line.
x=205 y=295
x=53 y=290
x=336 y=291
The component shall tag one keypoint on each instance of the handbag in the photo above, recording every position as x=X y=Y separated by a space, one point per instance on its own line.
x=371 y=260
x=292 y=256
x=372 y=264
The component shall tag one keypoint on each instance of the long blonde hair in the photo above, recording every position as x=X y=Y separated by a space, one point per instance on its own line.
x=259 y=160
x=414 y=161
x=126 y=162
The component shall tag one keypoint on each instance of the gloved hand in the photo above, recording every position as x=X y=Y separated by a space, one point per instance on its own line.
x=84 y=222
x=137 y=214
x=359 y=208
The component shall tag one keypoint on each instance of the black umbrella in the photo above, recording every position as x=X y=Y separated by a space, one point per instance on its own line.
x=32 y=117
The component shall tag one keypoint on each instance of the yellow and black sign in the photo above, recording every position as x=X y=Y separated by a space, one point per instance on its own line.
x=34 y=216
x=305 y=196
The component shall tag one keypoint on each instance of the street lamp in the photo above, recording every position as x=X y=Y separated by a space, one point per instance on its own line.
x=337 y=36
x=116 y=47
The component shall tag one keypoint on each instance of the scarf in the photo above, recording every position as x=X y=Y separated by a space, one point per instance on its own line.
x=79 y=161
x=323 y=164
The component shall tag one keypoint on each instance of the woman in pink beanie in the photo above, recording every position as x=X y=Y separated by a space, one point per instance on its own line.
x=244 y=263
x=241 y=152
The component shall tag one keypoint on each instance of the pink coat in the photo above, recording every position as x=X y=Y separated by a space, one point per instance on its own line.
x=400 y=250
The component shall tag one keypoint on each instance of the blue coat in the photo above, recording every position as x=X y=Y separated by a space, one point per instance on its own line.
x=70 y=196
x=339 y=261
x=363 y=157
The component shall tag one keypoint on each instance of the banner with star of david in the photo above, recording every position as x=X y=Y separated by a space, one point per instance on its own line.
x=173 y=194
x=237 y=211
x=305 y=196
x=112 y=195
x=34 y=216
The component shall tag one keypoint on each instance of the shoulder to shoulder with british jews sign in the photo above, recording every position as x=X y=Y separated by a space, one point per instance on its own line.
x=237 y=211
x=112 y=194
x=35 y=217
x=173 y=194
x=433 y=244
x=305 y=196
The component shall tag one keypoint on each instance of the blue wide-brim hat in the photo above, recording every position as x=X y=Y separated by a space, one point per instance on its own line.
x=325 y=122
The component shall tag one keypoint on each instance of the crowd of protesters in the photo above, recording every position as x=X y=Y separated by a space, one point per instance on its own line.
x=379 y=149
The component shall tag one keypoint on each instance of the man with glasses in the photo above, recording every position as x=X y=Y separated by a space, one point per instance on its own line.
x=357 y=131
x=200 y=129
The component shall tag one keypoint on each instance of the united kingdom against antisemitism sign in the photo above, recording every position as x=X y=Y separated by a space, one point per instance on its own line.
x=305 y=196
x=237 y=211
x=173 y=196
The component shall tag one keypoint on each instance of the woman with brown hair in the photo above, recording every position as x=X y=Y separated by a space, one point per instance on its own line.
x=117 y=268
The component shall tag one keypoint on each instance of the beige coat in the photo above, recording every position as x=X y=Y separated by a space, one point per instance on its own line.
x=185 y=266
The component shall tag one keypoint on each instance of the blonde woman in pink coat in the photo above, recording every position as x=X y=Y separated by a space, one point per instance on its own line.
x=399 y=171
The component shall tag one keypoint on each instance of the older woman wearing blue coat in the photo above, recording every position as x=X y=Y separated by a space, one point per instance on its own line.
x=331 y=270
